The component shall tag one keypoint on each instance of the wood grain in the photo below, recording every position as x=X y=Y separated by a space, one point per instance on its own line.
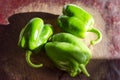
x=34 y=9
x=13 y=65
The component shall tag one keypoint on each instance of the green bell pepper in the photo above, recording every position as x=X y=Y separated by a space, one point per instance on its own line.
x=68 y=53
x=33 y=36
x=77 y=21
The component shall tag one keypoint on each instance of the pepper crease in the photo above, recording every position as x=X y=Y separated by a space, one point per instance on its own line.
x=78 y=22
x=33 y=38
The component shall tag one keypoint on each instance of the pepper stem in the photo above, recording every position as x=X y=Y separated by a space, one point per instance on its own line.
x=99 y=36
x=28 y=55
x=82 y=67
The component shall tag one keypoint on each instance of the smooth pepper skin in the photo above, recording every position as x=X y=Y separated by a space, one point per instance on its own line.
x=78 y=22
x=33 y=36
x=68 y=53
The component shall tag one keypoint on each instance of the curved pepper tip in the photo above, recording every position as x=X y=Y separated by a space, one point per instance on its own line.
x=28 y=55
x=99 y=36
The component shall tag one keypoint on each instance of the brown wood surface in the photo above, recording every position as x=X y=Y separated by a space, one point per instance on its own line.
x=13 y=65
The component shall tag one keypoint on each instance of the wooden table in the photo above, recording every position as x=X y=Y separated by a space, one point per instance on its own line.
x=14 y=14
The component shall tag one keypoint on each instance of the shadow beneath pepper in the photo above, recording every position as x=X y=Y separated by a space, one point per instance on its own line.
x=12 y=58
x=13 y=65
x=9 y=34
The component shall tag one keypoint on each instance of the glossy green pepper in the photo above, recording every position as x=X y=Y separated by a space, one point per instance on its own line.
x=68 y=53
x=78 y=22
x=33 y=36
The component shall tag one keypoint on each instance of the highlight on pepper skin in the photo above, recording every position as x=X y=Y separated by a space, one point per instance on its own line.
x=65 y=49
x=78 y=22
x=68 y=53
x=32 y=38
